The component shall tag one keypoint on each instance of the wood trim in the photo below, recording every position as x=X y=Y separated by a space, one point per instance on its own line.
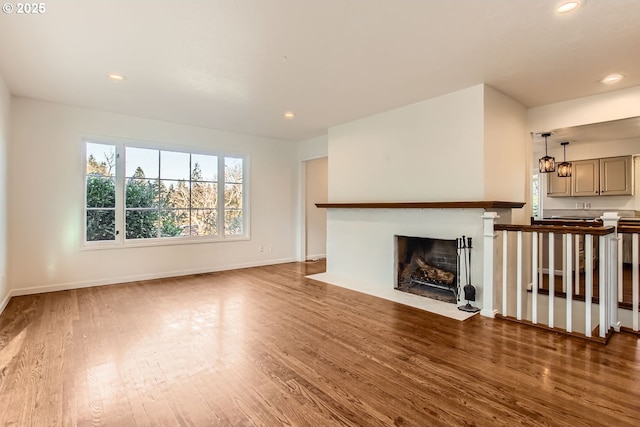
x=628 y=228
x=594 y=337
x=424 y=205
x=568 y=222
x=561 y=229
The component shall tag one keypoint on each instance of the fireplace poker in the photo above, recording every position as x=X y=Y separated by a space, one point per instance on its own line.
x=469 y=289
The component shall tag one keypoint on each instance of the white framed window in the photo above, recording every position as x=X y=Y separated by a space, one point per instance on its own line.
x=150 y=194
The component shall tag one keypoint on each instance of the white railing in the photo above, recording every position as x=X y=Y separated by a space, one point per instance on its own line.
x=561 y=306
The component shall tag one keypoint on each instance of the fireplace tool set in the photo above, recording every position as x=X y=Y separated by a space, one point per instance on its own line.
x=464 y=252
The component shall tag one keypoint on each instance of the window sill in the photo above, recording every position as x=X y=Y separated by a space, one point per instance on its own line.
x=150 y=243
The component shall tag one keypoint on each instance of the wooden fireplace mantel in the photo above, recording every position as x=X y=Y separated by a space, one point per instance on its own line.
x=484 y=204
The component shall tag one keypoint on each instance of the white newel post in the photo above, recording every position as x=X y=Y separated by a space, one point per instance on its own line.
x=488 y=219
x=610 y=219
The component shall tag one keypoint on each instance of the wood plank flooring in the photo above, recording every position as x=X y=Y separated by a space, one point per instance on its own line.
x=267 y=347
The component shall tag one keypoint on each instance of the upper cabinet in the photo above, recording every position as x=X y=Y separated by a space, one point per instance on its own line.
x=558 y=186
x=615 y=176
x=585 y=178
x=611 y=176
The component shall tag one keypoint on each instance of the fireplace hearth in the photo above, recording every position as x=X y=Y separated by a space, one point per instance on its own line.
x=428 y=267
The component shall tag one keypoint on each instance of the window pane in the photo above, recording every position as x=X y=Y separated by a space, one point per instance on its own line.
x=233 y=222
x=101 y=159
x=204 y=168
x=141 y=193
x=174 y=165
x=101 y=225
x=174 y=194
x=204 y=195
x=174 y=222
x=142 y=163
x=101 y=192
x=204 y=222
x=141 y=224
x=232 y=169
x=233 y=196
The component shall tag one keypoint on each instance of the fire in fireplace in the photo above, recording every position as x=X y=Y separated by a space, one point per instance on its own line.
x=428 y=267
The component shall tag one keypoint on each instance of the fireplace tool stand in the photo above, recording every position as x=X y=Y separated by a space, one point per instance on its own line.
x=469 y=290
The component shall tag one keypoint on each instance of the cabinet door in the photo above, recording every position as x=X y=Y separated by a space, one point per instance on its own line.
x=585 y=177
x=615 y=176
x=558 y=186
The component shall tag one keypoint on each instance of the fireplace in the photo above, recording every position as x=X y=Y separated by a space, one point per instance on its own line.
x=428 y=267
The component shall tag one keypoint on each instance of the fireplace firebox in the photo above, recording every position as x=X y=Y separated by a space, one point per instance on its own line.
x=428 y=267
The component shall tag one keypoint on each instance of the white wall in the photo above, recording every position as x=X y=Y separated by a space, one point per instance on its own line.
x=428 y=151
x=5 y=107
x=316 y=182
x=313 y=148
x=435 y=150
x=45 y=200
x=506 y=149
x=614 y=105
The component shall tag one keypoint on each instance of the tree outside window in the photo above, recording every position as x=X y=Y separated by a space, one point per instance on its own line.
x=167 y=194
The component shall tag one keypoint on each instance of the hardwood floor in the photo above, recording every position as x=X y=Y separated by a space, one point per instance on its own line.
x=267 y=347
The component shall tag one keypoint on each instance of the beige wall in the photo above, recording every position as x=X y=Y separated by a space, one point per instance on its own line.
x=5 y=105
x=614 y=105
x=506 y=144
x=428 y=151
x=46 y=200
x=316 y=182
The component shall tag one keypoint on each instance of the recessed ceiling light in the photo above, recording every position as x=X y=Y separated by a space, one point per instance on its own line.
x=568 y=6
x=289 y=115
x=116 y=76
x=612 y=78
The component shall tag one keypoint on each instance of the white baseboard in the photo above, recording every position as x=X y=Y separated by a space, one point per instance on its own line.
x=316 y=257
x=5 y=302
x=125 y=279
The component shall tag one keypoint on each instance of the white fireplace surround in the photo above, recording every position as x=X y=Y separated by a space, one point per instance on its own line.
x=361 y=249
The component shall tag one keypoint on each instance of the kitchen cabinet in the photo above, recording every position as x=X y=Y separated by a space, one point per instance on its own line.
x=611 y=176
x=558 y=186
x=585 y=177
x=615 y=176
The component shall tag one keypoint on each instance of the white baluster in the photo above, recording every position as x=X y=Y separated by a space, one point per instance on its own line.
x=564 y=263
x=577 y=285
x=519 y=275
x=588 y=282
x=620 y=270
x=504 y=273
x=602 y=290
x=534 y=277
x=569 y=287
x=551 y=279
x=635 y=286
x=540 y=257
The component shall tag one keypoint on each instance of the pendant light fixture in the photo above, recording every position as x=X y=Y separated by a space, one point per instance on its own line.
x=564 y=168
x=546 y=164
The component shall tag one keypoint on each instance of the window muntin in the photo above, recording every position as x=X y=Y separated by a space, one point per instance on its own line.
x=165 y=194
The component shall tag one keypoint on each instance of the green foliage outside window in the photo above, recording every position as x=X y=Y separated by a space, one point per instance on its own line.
x=160 y=207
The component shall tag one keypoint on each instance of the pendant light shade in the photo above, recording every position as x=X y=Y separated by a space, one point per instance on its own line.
x=546 y=164
x=564 y=168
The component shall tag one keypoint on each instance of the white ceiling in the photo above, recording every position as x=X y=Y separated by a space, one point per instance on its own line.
x=239 y=64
